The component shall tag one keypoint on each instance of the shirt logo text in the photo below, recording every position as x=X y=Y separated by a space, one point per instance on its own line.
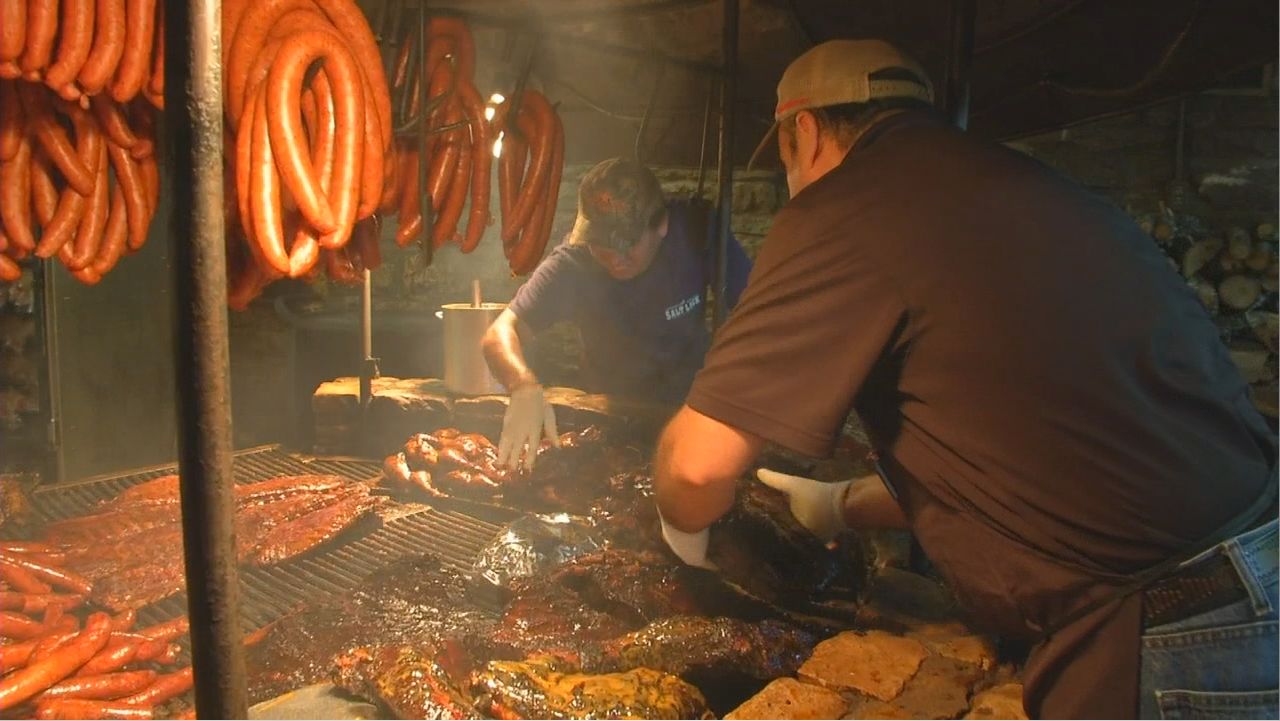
x=684 y=306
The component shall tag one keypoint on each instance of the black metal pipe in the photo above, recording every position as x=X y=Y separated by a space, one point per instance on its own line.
x=648 y=112
x=706 y=133
x=367 y=366
x=193 y=140
x=1180 y=144
x=44 y=296
x=425 y=209
x=724 y=206
x=955 y=88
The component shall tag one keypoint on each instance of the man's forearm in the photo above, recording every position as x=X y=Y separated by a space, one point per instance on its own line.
x=696 y=469
x=505 y=356
x=868 y=504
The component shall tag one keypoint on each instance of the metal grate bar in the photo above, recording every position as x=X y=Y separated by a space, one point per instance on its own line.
x=306 y=579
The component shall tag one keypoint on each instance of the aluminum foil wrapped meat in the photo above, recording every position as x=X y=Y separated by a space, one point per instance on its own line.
x=533 y=545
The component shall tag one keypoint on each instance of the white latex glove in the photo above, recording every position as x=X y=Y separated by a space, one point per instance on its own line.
x=689 y=547
x=528 y=416
x=818 y=506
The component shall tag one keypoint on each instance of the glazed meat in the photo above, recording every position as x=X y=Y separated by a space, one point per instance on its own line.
x=571 y=611
x=451 y=463
x=413 y=682
x=539 y=688
x=131 y=546
x=415 y=602
x=702 y=647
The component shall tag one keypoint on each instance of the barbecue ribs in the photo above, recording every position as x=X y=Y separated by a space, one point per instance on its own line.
x=129 y=546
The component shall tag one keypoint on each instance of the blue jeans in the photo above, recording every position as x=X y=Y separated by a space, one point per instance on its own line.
x=1221 y=664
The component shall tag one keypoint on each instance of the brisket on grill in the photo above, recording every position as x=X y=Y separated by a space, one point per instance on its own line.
x=414 y=602
x=412 y=682
x=707 y=647
x=758 y=545
x=632 y=587
x=572 y=610
x=539 y=687
x=607 y=635
x=761 y=545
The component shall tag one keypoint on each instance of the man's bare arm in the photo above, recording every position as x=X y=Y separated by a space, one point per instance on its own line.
x=868 y=504
x=504 y=352
x=698 y=463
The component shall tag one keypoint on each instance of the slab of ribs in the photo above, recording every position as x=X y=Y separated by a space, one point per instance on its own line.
x=130 y=546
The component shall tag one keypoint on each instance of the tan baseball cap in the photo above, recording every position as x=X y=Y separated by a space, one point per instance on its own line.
x=843 y=71
x=618 y=200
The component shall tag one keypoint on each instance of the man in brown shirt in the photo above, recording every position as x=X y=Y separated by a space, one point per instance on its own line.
x=1052 y=409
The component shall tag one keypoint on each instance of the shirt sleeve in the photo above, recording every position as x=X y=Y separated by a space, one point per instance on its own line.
x=815 y=318
x=548 y=296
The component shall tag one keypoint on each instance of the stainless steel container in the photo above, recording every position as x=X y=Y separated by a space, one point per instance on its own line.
x=465 y=371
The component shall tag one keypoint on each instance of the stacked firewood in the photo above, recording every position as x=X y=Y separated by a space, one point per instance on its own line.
x=1236 y=274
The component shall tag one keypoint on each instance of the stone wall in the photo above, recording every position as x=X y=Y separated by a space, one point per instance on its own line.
x=1229 y=146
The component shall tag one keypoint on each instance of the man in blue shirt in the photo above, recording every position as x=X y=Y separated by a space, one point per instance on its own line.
x=632 y=275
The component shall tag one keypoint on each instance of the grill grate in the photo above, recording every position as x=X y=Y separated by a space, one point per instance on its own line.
x=248 y=466
x=266 y=594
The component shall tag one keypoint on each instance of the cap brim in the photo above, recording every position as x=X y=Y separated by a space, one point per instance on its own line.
x=766 y=154
x=581 y=233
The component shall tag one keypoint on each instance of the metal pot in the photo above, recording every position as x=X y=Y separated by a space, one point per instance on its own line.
x=465 y=371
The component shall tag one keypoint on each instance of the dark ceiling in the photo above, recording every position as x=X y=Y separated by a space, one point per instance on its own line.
x=1037 y=65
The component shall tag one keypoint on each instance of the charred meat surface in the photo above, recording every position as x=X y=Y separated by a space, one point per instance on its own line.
x=758 y=545
x=538 y=688
x=572 y=610
x=451 y=463
x=413 y=682
x=631 y=587
x=701 y=645
x=415 y=602
x=763 y=547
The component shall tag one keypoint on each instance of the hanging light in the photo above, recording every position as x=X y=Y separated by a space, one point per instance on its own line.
x=497 y=145
x=497 y=99
x=489 y=112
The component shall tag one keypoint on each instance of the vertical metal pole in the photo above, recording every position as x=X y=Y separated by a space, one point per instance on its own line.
x=724 y=206
x=1179 y=149
x=193 y=139
x=955 y=91
x=706 y=132
x=368 y=364
x=45 y=295
x=425 y=246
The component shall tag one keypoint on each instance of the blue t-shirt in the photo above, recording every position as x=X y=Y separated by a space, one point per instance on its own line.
x=644 y=337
